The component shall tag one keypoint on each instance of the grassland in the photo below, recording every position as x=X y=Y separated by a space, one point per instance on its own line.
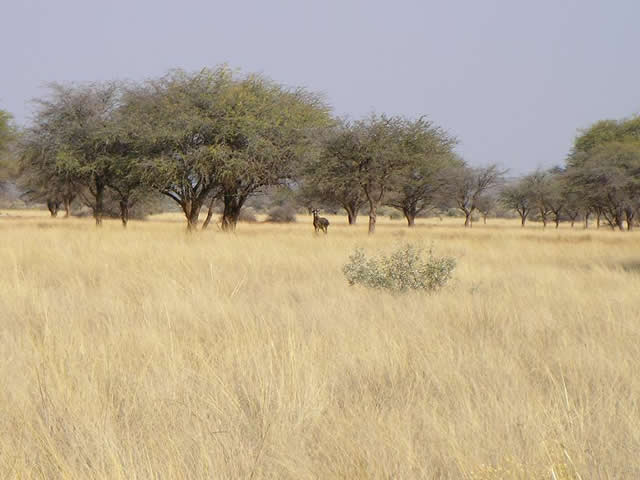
x=150 y=353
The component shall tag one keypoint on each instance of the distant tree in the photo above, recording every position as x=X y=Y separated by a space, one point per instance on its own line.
x=603 y=172
x=127 y=183
x=486 y=204
x=72 y=138
x=466 y=185
x=41 y=177
x=366 y=155
x=541 y=185
x=428 y=153
x=519 y=197
x=610 y=179
x=557 y=198
x=331 y=176
x=383 y=149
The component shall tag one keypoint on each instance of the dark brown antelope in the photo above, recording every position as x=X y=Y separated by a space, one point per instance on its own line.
x=319 y=223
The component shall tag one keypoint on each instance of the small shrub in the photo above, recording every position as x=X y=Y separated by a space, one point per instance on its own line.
x=282 y=214
x=404 y=269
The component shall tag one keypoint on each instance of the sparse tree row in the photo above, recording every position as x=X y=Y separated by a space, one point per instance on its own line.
x=600 y=181
x=216 y=138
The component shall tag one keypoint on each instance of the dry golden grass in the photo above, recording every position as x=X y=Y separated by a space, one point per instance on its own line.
x=149 y=353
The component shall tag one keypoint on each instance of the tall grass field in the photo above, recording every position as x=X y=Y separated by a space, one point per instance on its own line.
x=151 y=353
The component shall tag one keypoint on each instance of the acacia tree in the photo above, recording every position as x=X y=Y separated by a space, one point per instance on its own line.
x=519 y=197
x=558 y=197
x=466 y=185
x=331 y=175
x=382 y=150
x=71 y=138
x=127 y=183
x=265 y=132
x=174 y=124
x=428 y=152
x=541 y=187
x=602 y=172
x=610 y=178
x=486 y=204
x=210 y=134
x=367 y=153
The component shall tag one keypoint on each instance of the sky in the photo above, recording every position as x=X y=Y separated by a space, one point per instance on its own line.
x=513 y=80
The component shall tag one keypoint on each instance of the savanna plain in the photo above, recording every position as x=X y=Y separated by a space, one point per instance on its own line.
x=153 y=353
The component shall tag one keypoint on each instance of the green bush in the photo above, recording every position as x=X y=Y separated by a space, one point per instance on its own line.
x=403 y=270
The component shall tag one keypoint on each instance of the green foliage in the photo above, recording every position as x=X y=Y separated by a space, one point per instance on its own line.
x=8 y=135
x=6 y=129
x=601 y=133
x=403 y=270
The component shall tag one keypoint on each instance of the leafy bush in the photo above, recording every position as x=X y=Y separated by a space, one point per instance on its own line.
x=404 y=269
x=282 y=214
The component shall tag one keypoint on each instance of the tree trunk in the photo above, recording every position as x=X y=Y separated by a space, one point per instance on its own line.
x=124 y=212
x=53 y=206
x=619 y=222
x=209 y=215
x=373 y=214
x=99 y=207
x=586 y=220
x=523 y=220
x=557 y=220
x=352 y=214
x=484 y=218
x=598 y=219
x=67 y=206
x=231 y=213
x=410 y=215
x=192 y=219
x=573 y=220
x=191 y=210
x=629 y=215
x=468 y=221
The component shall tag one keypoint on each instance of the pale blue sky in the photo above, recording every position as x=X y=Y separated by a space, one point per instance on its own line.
x=512 y=79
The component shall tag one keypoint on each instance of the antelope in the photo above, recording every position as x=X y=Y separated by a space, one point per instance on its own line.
x=319 y=223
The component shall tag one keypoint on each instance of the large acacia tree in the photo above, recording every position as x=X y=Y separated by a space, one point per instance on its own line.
x=215 y=134
x=266 y=131
x=174 y=123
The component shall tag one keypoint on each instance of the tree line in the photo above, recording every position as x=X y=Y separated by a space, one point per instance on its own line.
x=218 y=137
x=600 y=180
